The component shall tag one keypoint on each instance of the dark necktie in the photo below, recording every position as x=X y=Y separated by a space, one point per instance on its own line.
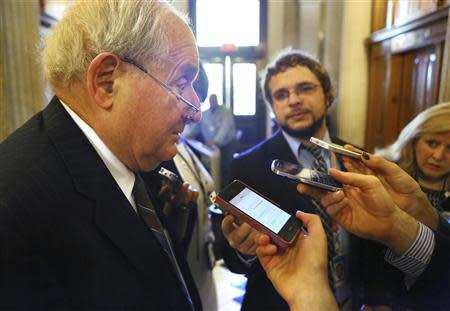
x=320 y=165
x=147 y=212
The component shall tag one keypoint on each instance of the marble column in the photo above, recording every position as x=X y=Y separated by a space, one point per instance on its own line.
x=21 y=81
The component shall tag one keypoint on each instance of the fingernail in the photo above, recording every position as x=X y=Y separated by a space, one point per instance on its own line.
x=366 y=156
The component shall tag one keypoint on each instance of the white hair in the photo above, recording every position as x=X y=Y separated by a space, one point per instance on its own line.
x=129 y=28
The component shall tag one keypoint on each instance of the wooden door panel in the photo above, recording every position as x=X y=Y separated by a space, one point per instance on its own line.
x=420 y=83
x=392 y=109
x=377 y=99
x=412 y=56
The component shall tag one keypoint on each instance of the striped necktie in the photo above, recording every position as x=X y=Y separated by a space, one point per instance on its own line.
x=320 y=165
x=147 y=212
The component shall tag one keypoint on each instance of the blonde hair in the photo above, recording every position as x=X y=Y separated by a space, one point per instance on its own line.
x=129 y=28
x=431 y=121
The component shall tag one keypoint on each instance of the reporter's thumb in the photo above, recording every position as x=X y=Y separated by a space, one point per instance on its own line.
x=353 y=179
x=311 y=222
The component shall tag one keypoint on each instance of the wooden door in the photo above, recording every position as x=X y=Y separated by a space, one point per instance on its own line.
x=420 y=82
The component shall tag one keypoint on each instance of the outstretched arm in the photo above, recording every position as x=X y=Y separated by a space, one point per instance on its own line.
x=404 y=190
x=366 y=209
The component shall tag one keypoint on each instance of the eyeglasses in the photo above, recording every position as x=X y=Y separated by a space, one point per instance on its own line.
x=304 y=88
x=192 y=109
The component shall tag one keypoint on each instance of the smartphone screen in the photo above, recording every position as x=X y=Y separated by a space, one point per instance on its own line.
x=264 y=215
x=260 y=209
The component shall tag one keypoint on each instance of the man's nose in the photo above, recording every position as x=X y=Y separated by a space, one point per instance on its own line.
x=294 y=98
x=196 y=117
x=193 y=97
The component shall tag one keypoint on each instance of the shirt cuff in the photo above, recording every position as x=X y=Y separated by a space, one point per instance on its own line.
x=416 y=258
x=247 y=260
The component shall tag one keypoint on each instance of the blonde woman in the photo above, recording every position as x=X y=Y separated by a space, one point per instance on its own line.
x=423 y=150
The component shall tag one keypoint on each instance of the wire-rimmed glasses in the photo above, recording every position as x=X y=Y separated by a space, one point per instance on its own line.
x=303 y=88
x=192 y=109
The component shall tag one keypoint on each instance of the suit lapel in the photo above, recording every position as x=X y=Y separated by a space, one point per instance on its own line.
x=113 y=214
x=278 y=148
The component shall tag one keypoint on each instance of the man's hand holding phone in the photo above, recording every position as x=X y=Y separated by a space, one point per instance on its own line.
x=174 y=192
x=299 y=273
x=404 y=190
x=259 y=212
x=366 y=209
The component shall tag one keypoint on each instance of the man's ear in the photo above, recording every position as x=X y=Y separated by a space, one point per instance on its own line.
x=100 y=79
x=330 y=100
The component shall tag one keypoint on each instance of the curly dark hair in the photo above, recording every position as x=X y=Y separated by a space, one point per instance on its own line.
x=291 y=58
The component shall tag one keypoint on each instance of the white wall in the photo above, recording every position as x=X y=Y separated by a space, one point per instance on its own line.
x=310 y=26
x=275 y=17
x=332 y=30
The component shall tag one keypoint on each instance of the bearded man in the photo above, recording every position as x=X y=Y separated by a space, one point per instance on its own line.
x=299 y=91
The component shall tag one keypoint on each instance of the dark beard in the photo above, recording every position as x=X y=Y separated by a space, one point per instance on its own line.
x=306 y=132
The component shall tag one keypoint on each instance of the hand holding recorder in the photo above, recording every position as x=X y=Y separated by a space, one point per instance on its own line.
x=174 y=192
x=179 y=199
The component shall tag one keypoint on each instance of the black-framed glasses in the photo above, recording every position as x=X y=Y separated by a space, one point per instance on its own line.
x=192 y=109
x=304 y=88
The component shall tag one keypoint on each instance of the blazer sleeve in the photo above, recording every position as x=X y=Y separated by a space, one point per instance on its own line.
x=430 y=291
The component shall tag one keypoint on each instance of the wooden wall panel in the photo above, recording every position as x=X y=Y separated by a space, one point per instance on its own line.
x=405 y=72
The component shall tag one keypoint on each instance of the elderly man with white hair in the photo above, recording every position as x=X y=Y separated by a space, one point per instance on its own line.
x=78 y=230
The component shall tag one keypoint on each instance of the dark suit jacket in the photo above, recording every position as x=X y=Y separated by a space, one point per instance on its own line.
x=69 y=239
x=430 y=291
x=253 y=168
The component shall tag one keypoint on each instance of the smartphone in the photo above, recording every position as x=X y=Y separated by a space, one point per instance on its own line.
x=305 y=175
x=335 y=148
x=247 y=205
x=170 y=178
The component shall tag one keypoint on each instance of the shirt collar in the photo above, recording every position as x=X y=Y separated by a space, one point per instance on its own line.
x=123 y=176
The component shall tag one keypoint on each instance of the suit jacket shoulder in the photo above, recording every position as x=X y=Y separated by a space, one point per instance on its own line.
x=69 y=238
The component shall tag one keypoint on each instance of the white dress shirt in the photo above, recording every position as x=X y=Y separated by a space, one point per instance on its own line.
x=123 y=176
